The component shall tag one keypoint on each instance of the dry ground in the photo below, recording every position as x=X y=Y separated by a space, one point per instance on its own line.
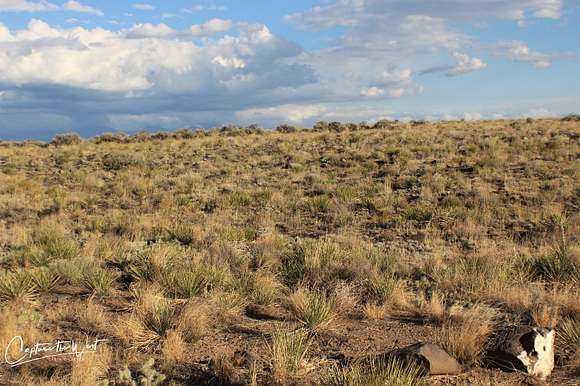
x=250 y=257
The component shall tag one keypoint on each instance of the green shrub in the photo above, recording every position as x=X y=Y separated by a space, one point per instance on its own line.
x=118 y=161
x=293 y=267
x=44 y=279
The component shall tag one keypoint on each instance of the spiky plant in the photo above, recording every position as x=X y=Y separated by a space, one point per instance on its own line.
x=379 y=372
x=44 y=279
x=151 y=324
x=185 y=284
x=99 y=280
x=569 y=336
x=313 y=308
x=55 y=244
x=288 y=351
x=18 y=287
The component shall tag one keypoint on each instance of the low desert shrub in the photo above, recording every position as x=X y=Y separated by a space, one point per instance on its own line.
x=66 y=139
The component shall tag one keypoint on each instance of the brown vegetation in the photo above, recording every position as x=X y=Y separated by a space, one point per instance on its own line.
x=350 y=240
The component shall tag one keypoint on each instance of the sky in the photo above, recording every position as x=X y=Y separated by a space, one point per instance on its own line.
x=92 y=66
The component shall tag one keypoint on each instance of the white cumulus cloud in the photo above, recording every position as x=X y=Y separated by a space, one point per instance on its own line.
x=75 y=6
x=465 y=64
x=518 y=51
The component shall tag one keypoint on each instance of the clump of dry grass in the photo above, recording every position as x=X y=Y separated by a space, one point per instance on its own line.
x=384 y=294
x=194 y=321
x=266 y=289
x=464 y=336
x=174 y=349
x=288 y=352
x=377 y=373
x=91 y=368
x=313 y=308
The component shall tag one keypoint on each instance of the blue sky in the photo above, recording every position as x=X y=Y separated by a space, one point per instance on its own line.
x=97 y=66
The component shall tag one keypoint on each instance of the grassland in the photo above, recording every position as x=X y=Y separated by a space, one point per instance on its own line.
x=244 y=256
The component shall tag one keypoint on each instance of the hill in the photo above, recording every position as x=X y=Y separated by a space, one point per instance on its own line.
x=243 y=255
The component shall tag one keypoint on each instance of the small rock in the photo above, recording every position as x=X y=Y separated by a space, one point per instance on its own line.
x=528 y=349
x=430 y=357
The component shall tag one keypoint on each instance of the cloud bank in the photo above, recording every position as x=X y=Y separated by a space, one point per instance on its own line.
x=222 y=70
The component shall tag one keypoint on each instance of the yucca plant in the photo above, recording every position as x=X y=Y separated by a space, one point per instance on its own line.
x=44 y=279
x=569 y=336
x=313 y=308
x=382 y=287
x=288 y=351
x=160 y=318
x=184 y=233
x=559 y=265
x=378 y=372
x=99 y=280
x=185 y=284
x=152 y=324
x=55 y=244
x=18 y=287
x=71 y=270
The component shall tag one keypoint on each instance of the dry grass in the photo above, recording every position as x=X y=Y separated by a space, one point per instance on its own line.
x=314 y=309
x=288 y=352
x=377 y=373
x=161 y=242
x=465 y=334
